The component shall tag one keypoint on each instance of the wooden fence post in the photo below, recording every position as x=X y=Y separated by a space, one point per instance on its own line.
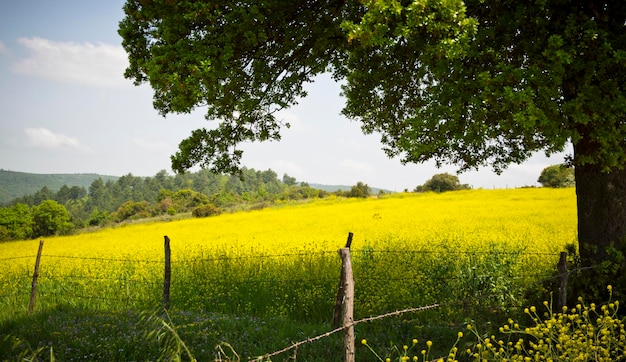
x=563 y=276
x=33 y=289
x=348 y=306
x=340 y=290
x=344 y=304
x=168 y=274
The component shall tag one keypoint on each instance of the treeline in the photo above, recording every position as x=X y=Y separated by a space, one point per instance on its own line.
x=130 y=197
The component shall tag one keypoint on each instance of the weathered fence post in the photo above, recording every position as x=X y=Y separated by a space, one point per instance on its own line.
x=33 y=289
x=345 y=301
x=168 y=274
x=340 y=290
x=563 y=276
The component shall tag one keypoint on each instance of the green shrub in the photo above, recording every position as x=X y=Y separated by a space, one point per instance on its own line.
x=133 y=210
x=99 y=218
x=206 y=210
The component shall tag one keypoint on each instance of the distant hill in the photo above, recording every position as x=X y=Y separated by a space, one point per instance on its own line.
x=17 y=184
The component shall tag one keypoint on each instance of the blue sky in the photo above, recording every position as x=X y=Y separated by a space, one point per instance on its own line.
x=66 y=108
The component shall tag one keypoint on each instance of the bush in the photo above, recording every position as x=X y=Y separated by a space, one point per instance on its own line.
x=99 y=218
x=133 y=210
x=206 y=210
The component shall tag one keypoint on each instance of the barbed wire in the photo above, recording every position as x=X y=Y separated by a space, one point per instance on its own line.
x=101 y=259
x=299 y=254
x=473 y=252
x=18 y=257
x=346 y=326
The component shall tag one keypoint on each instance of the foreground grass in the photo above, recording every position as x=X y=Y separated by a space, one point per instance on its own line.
x=75 y=334
x=72 y=334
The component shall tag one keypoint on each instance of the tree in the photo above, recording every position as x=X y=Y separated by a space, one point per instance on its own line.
x=16 y=222
x=557 y=176
x=288 y=180
x=442 y=182
x=469 y=83
x=51 y=218
x=360 y=190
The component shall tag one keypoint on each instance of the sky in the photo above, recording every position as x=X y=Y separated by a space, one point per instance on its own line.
x=65 y=107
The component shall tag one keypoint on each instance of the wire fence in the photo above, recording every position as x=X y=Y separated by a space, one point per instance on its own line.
x=140 y=281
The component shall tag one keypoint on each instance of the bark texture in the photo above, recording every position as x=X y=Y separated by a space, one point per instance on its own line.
x=601 y=199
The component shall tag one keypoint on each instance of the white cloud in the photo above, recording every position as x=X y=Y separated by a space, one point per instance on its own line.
x=42 y=137
x=100 y=65
x=3 y=48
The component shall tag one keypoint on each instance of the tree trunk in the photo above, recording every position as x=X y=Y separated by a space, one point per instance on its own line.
x=601 y=199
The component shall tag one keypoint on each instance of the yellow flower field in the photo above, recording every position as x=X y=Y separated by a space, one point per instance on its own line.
x=231 y=257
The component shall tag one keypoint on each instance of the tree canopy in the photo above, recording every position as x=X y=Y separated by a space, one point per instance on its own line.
x=470 y=83
x=557 y=176
x=442 y=182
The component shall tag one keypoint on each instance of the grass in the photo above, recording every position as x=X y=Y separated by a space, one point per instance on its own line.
x=74 y=334
x=263 y=279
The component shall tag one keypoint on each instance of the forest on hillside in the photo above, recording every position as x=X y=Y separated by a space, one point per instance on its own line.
x=129 y=197
x=14 y=184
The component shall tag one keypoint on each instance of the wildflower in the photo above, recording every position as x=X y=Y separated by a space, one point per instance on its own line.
x=364 y=341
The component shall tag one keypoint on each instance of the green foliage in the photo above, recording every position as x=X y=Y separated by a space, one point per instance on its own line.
x=99 y=218
x=557 y=176
x=133 y=210
x=302 y=192
x=464 y=82
x=360 y=190
x=206 y=210
x=184 y=200
x=67 y=194
x=288 y=180
x=442 y=182
x=584 y=279
x=16 y=222
x=22 y=351
x=51 y=218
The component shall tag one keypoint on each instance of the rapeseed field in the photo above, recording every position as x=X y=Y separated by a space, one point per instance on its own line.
x=485 y=248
